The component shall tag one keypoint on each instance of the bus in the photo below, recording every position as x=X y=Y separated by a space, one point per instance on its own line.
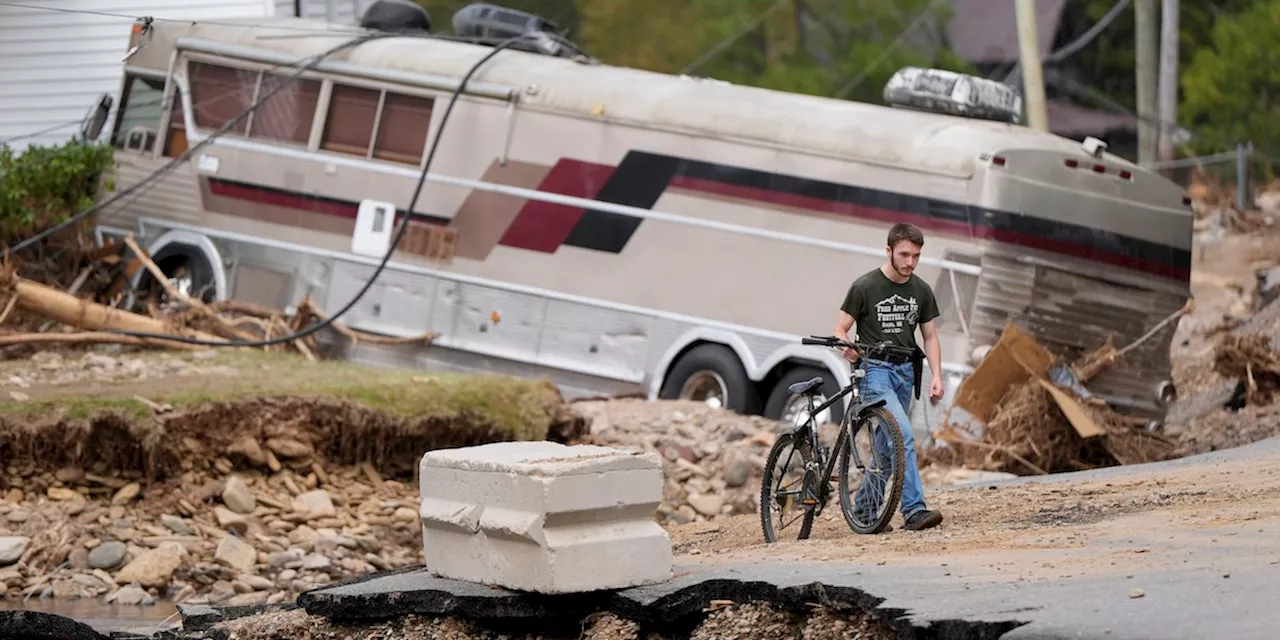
x=624 y=231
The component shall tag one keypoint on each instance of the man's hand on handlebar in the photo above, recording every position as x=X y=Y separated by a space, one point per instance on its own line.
x=851 y=355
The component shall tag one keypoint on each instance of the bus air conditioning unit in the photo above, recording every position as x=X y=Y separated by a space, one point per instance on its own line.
x=953 y=93
x=489 y=22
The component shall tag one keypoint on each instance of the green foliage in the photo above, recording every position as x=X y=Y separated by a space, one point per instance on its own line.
x=805 y=46
x=1231 y=89
x=46 y=184
x=815 y=46
x=1107 y=62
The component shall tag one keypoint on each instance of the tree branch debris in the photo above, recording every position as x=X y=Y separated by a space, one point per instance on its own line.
x=33 y=313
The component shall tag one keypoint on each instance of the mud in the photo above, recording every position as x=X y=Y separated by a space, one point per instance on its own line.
x=251 y=433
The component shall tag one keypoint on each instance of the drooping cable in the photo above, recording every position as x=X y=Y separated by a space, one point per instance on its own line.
x=395 y=241
x=173 y=164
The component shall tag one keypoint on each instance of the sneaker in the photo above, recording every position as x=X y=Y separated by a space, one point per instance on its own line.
x=922 y=519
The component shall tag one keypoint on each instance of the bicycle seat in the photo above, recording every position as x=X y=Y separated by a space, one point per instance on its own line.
x=812 y=385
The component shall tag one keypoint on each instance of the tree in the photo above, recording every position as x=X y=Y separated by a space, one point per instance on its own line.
x=1106 y=63
x=1231 y=89
x=806 y=46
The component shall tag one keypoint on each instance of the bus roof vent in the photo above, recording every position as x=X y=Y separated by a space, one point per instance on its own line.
x=489 y=23
x=958 y=94
x=396 y=15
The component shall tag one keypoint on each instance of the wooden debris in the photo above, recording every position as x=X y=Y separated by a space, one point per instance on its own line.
x=74 y=316
x=1032 y=425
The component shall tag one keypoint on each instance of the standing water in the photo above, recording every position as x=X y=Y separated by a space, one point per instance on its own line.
x=104 y=618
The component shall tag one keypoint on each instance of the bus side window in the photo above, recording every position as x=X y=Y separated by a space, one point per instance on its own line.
x=139 y=117
x=175 y=142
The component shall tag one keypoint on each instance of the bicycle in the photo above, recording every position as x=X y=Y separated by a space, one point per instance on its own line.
x=815 y=495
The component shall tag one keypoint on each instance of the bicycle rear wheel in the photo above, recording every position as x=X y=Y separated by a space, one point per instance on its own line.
x=882 y=465
x=782 y=488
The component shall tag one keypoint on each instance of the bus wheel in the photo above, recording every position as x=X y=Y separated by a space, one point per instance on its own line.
x=784 y=406
x=711 y=373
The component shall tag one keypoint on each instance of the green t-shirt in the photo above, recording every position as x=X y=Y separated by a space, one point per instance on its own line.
x=886 y=310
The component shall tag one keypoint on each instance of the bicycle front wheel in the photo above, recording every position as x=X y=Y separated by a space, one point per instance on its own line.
x=880 y=466
x=782 y=489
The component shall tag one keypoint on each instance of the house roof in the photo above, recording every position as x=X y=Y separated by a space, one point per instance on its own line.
x=1074 y=121
x=986 y=31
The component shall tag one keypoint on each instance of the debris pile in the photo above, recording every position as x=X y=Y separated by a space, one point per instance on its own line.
x=1213 y=202
x=1243 y=408
x=713 y=460
x=1251 y=359
x=1041 y=418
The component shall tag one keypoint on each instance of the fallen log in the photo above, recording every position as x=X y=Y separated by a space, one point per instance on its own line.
x=84 y=314
x=90 y=337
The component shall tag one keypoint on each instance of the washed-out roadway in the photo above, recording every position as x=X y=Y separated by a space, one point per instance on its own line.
x=1188 y=548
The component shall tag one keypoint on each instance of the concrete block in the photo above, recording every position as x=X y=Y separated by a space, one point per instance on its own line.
x=544 y=517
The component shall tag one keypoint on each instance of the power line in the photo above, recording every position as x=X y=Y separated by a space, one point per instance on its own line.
x=400 y=229
x=1079 y=43
x=337 y=30
x=172 y=164
x=37 y=134
x=395 y=241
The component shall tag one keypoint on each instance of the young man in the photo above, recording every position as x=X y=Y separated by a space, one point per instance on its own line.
x=888 y=303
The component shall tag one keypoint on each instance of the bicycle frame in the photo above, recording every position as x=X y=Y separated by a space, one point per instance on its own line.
x=856 y=407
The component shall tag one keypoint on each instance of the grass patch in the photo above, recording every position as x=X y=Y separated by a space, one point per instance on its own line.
x=90 y=411
x=521 y=405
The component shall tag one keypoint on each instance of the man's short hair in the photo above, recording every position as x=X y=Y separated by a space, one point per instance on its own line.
x=905 y=231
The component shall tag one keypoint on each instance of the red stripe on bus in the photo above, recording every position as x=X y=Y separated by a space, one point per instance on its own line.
x=544 y=226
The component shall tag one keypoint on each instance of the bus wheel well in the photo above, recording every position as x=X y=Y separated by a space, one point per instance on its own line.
x=188 y=267
x=772 y=388
x=710 y=371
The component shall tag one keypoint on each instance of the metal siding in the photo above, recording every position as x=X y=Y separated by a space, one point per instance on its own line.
x=463 y=313
x=55 y=62
x=609 y=341
x=398 y=303
x=175 y=196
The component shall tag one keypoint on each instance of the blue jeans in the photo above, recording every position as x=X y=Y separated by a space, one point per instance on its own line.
x=894 y=383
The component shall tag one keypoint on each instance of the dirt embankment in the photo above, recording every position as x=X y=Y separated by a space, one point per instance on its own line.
x=236 y=478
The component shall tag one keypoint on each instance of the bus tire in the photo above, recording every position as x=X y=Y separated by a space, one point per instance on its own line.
x=711 y=373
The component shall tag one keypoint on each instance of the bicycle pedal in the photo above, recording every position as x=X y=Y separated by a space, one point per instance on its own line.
x=810 y=501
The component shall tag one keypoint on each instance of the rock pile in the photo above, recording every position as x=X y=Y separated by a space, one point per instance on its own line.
x=713 y=459
x=239 y=539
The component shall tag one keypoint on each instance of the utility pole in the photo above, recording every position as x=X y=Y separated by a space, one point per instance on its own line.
x=1029 y=60
x=1147 y=51
x=1168 y=77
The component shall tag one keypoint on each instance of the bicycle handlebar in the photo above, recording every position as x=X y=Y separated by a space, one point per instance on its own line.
x=865 y=348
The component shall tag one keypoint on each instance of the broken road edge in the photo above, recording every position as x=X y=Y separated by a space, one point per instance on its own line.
x=671 y=609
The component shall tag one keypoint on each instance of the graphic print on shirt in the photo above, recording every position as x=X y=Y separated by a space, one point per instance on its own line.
x=897 y=314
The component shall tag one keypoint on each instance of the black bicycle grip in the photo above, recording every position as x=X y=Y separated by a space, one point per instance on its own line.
x=813 y=341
